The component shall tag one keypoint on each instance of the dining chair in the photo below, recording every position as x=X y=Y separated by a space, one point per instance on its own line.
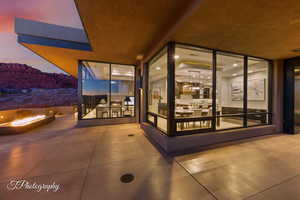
x=197 y=113
x=115 y=112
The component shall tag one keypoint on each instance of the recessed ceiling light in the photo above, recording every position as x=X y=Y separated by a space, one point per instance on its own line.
x=157 y=68
x=176 y=56
x=250 y=71
x=139 y=57
x=235 y=65
x=234 y=74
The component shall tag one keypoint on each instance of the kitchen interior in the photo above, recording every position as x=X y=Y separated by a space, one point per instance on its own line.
x=193 y=89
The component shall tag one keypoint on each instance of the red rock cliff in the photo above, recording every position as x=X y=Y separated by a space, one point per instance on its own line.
x=22 y=76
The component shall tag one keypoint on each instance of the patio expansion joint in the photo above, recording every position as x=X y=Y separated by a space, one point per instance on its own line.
x=205 y=188
x=276 y=184
x=86 y=173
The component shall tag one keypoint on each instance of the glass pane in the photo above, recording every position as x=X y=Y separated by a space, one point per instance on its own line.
x=229 y=122
x=95 y=90
x=157 y=94
x=257 y=85
x=257 y=119
x=257 y=90
x=151 y=118
x=202 y=123
x=297 y=100
x=122 y=91
x=230 y=90
x=193 y=84
x=162 y=124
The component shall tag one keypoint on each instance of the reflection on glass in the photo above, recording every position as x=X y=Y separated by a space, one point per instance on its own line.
x=95 y=90
x=162 y=123
x=257 y=91
x=297 y=100
x=230 y=90
x=257 y=119
x=157 y=94
x=107 y=90
x=151 y=118
x=229 y=122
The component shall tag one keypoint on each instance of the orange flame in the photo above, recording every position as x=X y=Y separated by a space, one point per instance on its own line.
x=27 y=120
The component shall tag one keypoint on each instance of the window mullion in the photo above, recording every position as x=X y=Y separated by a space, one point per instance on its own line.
x=245 y=101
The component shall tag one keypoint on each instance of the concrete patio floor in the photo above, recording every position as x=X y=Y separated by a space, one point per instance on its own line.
x=88 y=162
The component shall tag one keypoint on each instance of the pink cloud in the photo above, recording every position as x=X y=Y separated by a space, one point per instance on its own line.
x=62 y=12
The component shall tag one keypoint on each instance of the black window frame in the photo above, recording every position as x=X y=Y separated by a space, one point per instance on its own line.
x=172 y=121
x=80 y=97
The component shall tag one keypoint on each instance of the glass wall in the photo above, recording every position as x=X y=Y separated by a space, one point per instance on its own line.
x=157 y=89
x=296 y=99
x=210 y=90
x=107 y=90
x=193 y=87
x=258 y=96
x=122 y=91
x=229 y=91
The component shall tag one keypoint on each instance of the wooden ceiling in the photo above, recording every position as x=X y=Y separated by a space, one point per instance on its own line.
x=263 y=28
x=118 y=31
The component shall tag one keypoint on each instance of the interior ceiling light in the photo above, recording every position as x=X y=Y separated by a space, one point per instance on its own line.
x=157 y=68
x=176 y=56
x=140 y=57
x=250 y=71
x=235 y=65
x=234 y=74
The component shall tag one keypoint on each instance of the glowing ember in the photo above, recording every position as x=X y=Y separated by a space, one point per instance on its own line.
x=27 y=120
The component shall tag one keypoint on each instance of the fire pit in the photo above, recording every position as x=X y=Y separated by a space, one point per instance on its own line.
x=25 y=124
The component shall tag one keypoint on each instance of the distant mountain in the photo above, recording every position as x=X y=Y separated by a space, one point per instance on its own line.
x=22 y=86
x=21 y=76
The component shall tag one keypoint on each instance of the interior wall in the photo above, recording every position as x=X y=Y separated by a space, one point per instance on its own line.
x=160 y=85
x=225 y=92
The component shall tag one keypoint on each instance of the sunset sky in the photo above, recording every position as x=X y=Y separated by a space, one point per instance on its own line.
x=61 y=12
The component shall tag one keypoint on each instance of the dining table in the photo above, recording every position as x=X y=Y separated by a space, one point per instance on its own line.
x=190 y=112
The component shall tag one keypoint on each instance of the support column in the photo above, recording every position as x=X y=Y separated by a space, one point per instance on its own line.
x=171 y=126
